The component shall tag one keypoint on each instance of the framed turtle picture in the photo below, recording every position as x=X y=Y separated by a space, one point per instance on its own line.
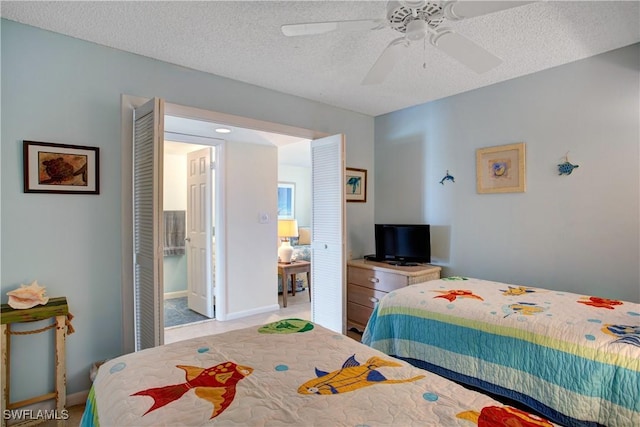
x=501 y=169
x=60 y=168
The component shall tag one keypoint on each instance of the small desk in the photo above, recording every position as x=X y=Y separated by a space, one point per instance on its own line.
x=291 y=269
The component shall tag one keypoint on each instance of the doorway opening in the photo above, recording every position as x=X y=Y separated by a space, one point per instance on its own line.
x=142 y=272
x=189 y=213
x=185 y=259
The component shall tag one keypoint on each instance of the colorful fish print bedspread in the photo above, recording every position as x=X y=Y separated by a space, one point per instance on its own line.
x=574 y=358
x=291 y=372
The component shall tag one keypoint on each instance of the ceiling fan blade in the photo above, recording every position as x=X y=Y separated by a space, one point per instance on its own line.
x=385 y=62
x=464 y=50
x=309 y=28
x=457 y=10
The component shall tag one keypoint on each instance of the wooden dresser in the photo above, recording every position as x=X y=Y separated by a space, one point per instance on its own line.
x=368 y=281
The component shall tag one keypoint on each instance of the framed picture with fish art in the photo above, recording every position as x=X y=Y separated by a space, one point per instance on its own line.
x=501 y=169
x=356 y=185
x=60 y=168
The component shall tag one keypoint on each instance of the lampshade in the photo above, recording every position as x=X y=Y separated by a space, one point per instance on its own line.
x=287 y=228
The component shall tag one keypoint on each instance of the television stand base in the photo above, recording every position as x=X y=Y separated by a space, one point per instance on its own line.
x=403 y=263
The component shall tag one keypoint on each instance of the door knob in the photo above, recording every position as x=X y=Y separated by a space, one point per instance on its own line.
x=187 y=239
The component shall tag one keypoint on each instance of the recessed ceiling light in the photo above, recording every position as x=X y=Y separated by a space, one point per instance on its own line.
x=223 y=130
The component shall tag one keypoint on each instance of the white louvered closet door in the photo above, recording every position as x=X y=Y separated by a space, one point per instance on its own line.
x=147 y=223
x=328 y=233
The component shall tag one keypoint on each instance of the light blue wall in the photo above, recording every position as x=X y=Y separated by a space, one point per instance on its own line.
x=174 y=267
x=60 y=89
x=301 y=177
x=175 y=273
x=576 y=233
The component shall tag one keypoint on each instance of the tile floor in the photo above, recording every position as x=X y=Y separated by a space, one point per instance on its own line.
x=298 y=307
x=177 y=312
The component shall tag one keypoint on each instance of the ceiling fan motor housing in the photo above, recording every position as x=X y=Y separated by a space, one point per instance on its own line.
x=401 y=15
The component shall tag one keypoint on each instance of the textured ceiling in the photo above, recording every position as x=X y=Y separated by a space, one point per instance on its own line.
x=242 y=41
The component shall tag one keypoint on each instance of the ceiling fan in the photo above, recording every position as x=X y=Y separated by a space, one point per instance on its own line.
x=417 y=20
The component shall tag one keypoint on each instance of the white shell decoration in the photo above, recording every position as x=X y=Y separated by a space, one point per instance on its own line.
x=28 y=296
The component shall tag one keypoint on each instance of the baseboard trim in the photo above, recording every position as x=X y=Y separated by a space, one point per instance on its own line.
x=178 y=294
x=260 y=310
x=79 y=398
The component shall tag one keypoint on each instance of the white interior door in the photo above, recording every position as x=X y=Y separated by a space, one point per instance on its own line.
x=199 y=242
x=148 y=228
x=328 y=233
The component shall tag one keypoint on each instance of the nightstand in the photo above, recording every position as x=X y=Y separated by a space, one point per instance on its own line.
x=291 y=269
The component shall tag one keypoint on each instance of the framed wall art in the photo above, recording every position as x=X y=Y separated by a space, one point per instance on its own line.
x=286 y=200
x=60 y=168
x=501 y=169
x=356 y=185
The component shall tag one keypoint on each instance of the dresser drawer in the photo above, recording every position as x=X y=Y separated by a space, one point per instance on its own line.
x=375 y=279
x=355 y=335
x=358 y=313
x=363 y=296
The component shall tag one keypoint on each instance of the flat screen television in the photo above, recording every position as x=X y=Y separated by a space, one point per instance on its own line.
x=403 y=244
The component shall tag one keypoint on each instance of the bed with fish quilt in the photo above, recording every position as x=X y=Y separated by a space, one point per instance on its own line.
x=291 y=372
x=573 y=358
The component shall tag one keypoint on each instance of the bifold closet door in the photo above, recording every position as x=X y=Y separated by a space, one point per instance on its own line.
x=147 y=224
x=328 y=233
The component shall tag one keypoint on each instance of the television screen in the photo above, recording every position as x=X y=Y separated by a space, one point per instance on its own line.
x=403 y=243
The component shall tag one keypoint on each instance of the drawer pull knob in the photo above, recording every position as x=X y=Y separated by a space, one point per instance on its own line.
x=374 y=299
x=374 y=279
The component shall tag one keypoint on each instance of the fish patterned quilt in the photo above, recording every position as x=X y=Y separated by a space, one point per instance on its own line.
x=572 y=358
x=290 y=372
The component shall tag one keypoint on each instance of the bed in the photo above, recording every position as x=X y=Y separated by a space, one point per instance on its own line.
x=289 y=372
x=573 y=358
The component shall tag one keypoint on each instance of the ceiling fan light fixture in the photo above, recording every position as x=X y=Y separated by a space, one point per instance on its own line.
x=416 y=20
x=416 y=30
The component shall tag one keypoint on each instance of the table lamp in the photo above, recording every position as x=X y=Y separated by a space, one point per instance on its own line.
x=286 y=228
